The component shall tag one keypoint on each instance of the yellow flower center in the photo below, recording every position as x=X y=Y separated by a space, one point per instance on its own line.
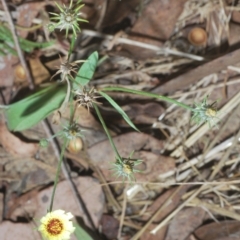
x=127 y=168
x=54 y=226
x=211 y=112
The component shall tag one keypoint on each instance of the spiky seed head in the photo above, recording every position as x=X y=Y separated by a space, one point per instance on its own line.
x=204 y=112
x=68 y=18
x=72 y=131
x=125 y=168
x=85 y=97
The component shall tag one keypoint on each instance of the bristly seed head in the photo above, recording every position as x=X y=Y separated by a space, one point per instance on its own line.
x=68 y=18
x=125 y=168
x=204 y=112
x=72 y=131
x=86 y=97
x=66 y=68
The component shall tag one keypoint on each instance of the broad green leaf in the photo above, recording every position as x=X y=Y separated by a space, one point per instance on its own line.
x=86 y=71
x=31 y=110
x=119 y=109
x=81 y=234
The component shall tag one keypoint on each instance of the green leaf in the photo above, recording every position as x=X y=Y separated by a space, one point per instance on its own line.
x=81 y=234
x=31 y=110
x=86 y=71
x=119 y=109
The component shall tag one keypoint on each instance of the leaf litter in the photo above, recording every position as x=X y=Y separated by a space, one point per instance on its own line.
x=188 y=170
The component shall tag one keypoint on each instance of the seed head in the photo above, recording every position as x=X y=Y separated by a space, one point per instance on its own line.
x=204 y=112
x=66 y=68
x=125 y=168
x=68 y=18
x=86 y=97
x=72 y=131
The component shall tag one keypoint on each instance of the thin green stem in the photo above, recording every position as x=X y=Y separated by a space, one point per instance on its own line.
x=107 y=132
x=57 y=174
x=152 y=95
x=71 y=47
x=66 y=100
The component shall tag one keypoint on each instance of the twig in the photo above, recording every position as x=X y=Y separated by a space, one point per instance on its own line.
x=143 y=45
x=17 y=45
x=123 y=212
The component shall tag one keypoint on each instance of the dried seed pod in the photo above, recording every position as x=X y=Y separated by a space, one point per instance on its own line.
x=20 y=73
x=75 y=145
x=197 y=37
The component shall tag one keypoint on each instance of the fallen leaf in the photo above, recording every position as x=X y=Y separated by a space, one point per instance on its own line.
x=184 y=223
x=161 y=20
x=172 y=196
x=40 y=73
x=109 y=226
x=221 y=230
x=89 y=189
x=6 y=70
x=156 y=28
x=26 y=13
x=10 y=230
x=14 y=145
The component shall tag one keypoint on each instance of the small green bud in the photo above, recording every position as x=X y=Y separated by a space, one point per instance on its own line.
x=43 y=142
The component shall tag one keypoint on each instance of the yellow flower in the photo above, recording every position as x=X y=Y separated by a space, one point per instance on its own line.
x=56 y=225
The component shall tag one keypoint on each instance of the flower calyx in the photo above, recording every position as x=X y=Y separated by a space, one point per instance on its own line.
x=204 y=112
x=72 y=131
x=66 y=69
x=86 y=98
x=68 y=18
x=125 y=168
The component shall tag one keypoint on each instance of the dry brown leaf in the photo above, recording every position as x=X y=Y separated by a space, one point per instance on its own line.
x=6 y=70
x=40 y=73
x=26 y=13
x=154 y=26
x=109 y=226
x=221 y=230
x=14 y=145
x=161 y=18
x=184 y=223
x=10 y=230
x=174 y=201
x=89 y=189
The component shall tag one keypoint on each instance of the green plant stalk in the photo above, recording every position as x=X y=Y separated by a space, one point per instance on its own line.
x=71 y=47
x=57 y=174
x=152 y=95
x=107 y=132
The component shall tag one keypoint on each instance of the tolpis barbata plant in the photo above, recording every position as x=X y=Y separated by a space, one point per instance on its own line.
x=71 y=91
